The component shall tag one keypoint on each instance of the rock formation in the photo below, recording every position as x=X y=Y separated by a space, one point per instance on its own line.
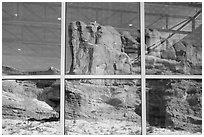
x=175 y=104
x=21 y=100
x=90 y=101
x=182 y=57
x=51 y=95
x=97 y=50
x=23 y=113
x=101 y=50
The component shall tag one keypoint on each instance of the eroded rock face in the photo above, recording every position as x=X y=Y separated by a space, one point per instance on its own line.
x=51 y=95
x=175 y=104
x=85 y=100
x=97 y=50
x=20 y=100
x=184 y=55
x=101 y=50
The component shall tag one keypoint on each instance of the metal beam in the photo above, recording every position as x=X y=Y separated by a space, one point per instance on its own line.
x=102 y=9
x=179 y=24
x=179 y=29
x=54 y=4
x=173 y=31
x=32 y=23
x=125 y=11
x=48 y=43
x=185 y=4
x=167 y=15
x=159 y=29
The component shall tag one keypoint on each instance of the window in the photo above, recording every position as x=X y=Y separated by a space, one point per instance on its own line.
x=102 y=68
x=31 y=49
x=31 y=38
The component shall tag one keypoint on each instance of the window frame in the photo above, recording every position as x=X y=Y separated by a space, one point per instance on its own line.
x=62 y=76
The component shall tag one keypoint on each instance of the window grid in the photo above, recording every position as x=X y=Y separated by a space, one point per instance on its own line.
x=101 y=76
x=63 y=76
x=62 y=73
x=143 y=80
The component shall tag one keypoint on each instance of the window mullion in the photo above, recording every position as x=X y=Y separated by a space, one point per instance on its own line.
x=62 y=74
x=143 y=80
x=10 y=77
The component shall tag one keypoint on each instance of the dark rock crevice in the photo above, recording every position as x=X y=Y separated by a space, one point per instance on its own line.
x=174 y=104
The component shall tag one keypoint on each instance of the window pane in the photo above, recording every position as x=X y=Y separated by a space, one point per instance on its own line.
x=174 y=106
x=103 y=38
x=102 y=106
x=31 y=38
x=30 y=107
x=173 y=38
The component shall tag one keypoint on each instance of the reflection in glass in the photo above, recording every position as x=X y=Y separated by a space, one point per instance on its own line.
x=31 y=38
x=102 y=38
x=102 y=107
x=174 y=106
x=30 y=107
x=173 y=38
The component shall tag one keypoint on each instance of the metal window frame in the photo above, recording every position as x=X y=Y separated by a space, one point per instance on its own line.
x=62 y=73
x=143 y=72
x=62 y=77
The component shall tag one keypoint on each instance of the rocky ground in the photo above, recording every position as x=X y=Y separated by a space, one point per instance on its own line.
x=102 y=109
x=164 y=131
x=102 y=106
x=158 y=66
x=102 y=127
x=23 y=113
x=25 y=127
x=93 y=108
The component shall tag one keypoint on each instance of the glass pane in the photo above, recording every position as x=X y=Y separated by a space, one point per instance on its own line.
x=102 y=107
x=30 y=107
x=174 y=106
x=102 y=38
x=31 y=38
x=173 y=38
